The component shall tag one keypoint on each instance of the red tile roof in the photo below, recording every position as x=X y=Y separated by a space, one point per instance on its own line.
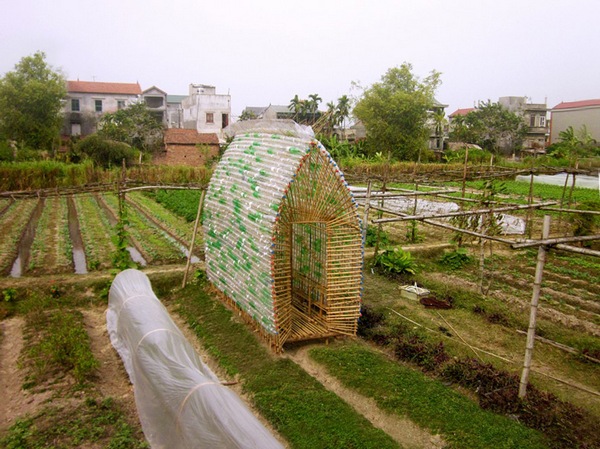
x=178 y=136
x=577 y=104
x=463 y=111
x=93 y=87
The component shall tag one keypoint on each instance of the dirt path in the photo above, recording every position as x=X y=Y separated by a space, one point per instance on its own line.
x=402 y=430
x=113 y=380
x=16 y=402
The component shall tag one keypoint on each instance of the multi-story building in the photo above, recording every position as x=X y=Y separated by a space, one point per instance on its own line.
x=156 y=101
x=87 y=100
x=535 y=117
x=206 y=111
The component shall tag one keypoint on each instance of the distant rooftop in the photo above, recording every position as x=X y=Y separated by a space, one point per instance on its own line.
x=175 y=98
x=94 y=87
x=463 y=111
x=577 y=104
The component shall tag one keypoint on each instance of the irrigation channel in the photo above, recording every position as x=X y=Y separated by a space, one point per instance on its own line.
x=80 y=235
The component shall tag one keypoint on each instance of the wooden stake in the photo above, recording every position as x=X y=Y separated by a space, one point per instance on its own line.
x=187 y=265
x=539 y=271
x=366 y=216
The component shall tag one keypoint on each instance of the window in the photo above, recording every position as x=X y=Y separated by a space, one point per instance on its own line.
x=224 y=120
x=542 y=121
x=98 y=104
x=210 y=117
x=120 y=104
x=75 y=104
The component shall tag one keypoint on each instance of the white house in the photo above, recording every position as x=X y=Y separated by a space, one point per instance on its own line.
x=206 y=111
x=87 y=100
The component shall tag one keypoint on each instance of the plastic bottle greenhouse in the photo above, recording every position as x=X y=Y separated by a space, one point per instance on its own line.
x=283 y=235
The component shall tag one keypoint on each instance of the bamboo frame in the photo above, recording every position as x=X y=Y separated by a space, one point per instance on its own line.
x=318 y=255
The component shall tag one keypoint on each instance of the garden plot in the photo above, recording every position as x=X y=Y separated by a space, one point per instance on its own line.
x=51 y=251
x=177 y=227
x=13 y=223
x=156 y=247
x=96 y=233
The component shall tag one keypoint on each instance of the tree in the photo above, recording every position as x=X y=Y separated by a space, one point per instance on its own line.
x=313 y=103
x=134 y=125
x=295 y=105
x=247 y=115
x=492 y=127
x=31 y=102
x=395 y=111
x=343 y=112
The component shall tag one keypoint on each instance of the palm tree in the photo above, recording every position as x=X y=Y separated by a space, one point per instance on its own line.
x=295 y=105
x=343 y=112
x=313 y=102
x=439 y=119
x=332 y=118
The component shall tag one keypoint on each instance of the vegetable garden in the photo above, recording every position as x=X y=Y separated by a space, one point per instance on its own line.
x=475 y=346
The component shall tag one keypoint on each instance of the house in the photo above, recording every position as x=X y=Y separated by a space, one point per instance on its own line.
x=533 y=114
x=283 y=238
x=156 y=101
x=175 y=111
x=253 y=112
x=206 y=111
x=86 y=101
x=535 y=117
x=436 y=123
x=188 y=147
x=271 y=112
x=576 y=114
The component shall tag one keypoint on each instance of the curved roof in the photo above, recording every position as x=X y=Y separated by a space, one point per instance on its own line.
x=243 y=203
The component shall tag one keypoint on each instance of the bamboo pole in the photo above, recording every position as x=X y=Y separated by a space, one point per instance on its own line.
x=464 y=178
x=574 y=249
x=547 y=241
x=366 y=215
x=539 y=271
x=468 y=212
x=187 y=265
x=452 y=228
x=529 y=224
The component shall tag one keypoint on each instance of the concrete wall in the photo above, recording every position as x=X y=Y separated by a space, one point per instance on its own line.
x=562 y=119
x=202 y=104
x=86 y=119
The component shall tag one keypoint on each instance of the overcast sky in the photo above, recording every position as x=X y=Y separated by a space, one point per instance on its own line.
x=266 y=51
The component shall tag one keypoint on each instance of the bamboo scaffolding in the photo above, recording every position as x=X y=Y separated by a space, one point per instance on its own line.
x=537 y=285
x=451 y=228
x=464 y=213
x=554 y=241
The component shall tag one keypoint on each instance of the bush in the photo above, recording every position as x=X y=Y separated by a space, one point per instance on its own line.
x=104 y=152
x=371 y=237
x=396 y=261
x=6 y=152
x=416 y=349
x=456 y=259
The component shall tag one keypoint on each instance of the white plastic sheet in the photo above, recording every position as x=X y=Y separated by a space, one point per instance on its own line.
x=180 y=402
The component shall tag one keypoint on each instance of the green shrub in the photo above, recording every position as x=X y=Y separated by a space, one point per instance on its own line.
x=105 y=152
x=9 y=294
x=456 y=259
x=371 y=237
x=6 y=152
x=396 y=261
